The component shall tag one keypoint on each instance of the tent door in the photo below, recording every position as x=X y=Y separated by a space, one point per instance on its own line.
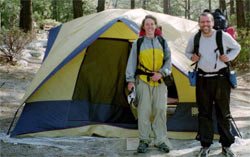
x=101 y=78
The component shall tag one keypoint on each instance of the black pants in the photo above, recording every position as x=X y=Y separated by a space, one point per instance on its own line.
x=214 y=91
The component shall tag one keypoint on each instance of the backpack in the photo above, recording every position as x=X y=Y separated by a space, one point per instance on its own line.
x=157 y=32
x=232 y=77
x=220 y=22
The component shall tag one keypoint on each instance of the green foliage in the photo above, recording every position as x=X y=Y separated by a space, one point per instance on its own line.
x=247 y=18
x=12 y=42
x=155 y=6
x=232 y=21
x=9 y=13
x=41 y=10
x=64 y=10
x=196 y=7
x=50 y=22
x=242 y=62
x=89 y=7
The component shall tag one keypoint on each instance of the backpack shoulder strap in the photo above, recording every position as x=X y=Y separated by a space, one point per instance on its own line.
x=219 y=41
x=220 y=44
x=162 y=41
x=138 y=44
x=197 y=42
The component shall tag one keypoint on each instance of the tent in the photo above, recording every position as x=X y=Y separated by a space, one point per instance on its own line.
x=80 y=88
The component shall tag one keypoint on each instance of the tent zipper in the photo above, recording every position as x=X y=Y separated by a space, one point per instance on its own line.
x=153 y=56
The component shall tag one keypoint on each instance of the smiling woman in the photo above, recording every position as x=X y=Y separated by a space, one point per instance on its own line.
x=146 y=67
x=149 y=25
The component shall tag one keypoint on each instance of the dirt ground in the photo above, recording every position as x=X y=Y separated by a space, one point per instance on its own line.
x=15 y=80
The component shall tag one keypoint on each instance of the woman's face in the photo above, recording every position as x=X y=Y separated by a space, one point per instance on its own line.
x=149 y=27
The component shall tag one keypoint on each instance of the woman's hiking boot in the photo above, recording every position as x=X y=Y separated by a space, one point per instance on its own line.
x=142 y=148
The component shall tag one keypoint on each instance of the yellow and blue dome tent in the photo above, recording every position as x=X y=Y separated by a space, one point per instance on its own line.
x=80 y=88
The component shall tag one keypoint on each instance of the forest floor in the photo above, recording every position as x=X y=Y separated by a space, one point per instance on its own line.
x=14 y=81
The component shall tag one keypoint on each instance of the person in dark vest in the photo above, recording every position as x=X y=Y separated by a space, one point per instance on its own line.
x=155 y=60
x=212 y=85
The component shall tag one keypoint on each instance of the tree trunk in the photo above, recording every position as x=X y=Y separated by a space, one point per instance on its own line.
x=240 y=13
x=223 y=6
x=77 y=8
x=144 y=4
x=132 y=2
x=166 y=6
x=185 y=9
x=247 y=9
x=25 y=22
x=188 y=8
x=54 y=9
x=116 y=3
x=101 y=5
x=210 y=5
x=247 y=5
x=232 y=9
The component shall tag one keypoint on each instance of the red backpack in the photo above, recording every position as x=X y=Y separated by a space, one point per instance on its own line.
x=157 y=32
x=231 y=31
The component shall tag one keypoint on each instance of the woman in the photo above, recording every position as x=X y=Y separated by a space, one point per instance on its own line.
x=145 y=71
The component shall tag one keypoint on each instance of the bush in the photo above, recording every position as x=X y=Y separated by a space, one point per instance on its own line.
x=12 y=42
x=242 y=61
x=9 y=14
x=48 y=22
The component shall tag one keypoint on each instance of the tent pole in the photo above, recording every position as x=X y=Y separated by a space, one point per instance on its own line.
x=236 y=126
x=10 y=126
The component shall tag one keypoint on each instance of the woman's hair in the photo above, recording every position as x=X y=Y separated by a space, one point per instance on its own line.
x=148 y=17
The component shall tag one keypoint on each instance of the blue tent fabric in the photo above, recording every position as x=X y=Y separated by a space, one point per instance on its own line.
x=53 y=115
x=48 y=115
x=185 y=120
x=51 y=39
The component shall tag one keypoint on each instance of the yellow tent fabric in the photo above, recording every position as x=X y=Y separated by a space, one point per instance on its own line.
x=175 y=30
x=52 y=89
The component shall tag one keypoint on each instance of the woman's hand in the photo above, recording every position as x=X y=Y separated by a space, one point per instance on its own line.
x=157 y=76
x=130 y=85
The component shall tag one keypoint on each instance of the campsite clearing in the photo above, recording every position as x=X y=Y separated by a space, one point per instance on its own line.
x=17 y=80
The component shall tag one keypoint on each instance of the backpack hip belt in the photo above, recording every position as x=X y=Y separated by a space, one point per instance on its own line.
x=221 y=72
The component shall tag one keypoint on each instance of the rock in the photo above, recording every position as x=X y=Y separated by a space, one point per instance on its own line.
x=22 y=63
x=36 y=53
x=25 y=54
x=37 y=44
